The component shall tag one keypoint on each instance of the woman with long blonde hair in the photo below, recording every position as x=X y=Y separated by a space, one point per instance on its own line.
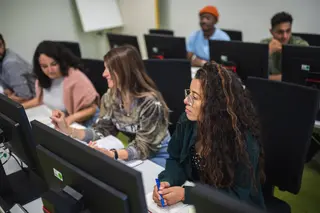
x=132 y=106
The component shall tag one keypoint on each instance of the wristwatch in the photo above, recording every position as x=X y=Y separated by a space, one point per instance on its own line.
x=116 y=156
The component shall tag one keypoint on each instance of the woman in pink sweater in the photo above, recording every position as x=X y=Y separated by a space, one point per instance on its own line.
x=62 y=86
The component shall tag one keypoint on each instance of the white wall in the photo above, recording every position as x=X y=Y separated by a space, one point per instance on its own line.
x=138 y=17
x=250 y=16
x=26 y=23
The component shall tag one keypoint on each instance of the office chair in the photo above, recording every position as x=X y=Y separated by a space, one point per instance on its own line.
x=312 y=39
x=172 y=77
x=207 y=199
x=287 y=113
x=73 y=46
x=234 y=35
x=161 y=32
x=93 y=70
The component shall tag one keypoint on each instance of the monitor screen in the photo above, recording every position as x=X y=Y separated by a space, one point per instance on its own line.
x=165 y=47
x=116 y=40
x=97 y=196
x=250 y=59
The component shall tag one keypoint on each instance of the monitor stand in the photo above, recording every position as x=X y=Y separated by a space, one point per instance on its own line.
x=20 y=187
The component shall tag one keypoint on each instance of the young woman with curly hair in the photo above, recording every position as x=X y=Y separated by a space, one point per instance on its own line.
x=216 y=141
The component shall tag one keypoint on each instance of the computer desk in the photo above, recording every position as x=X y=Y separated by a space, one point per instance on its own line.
x=148 y=169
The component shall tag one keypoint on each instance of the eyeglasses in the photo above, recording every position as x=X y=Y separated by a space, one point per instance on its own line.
x=188 y=96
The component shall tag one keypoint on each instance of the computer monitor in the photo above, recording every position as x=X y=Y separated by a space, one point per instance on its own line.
x=24 y=149
x=301 y=65
x=24 y=185
x=161 y=32
x=312 y=39
x=116 y=40
x=112 y=173
x=207 y=199
x=234 y=35
x=97 y=196
x=251 y=59
x=165 y=47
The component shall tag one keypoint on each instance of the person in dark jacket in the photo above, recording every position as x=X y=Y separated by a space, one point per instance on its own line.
x=216 y=141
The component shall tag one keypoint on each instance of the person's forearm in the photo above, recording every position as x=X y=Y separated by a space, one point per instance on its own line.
x=276 y=77
x=197 y=62
x=122 y=154
x=31 y=103
x=83 y=115
x=17 y=99
x=76 y=133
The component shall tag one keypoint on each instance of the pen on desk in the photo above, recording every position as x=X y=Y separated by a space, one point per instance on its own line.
x=161 y=198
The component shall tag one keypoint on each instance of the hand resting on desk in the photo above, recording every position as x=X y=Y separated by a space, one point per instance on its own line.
x=103 y=150
x=171 y=195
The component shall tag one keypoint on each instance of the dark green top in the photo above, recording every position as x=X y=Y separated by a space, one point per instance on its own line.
x=179 y=166
x=275 y=58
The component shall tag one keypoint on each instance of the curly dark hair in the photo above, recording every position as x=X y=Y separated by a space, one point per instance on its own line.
x=227 y=114
x=61 y=54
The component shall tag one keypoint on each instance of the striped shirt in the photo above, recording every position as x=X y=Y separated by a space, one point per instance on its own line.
x=145 y=124
x=16 y=75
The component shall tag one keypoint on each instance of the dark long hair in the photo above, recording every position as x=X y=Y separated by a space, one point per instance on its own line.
x=62 y=55
x=227 y=114
x=132 y=78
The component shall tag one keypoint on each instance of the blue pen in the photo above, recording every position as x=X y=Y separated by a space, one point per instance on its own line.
x=158 y=186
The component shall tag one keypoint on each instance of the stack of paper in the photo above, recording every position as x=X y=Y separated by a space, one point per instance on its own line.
x=40 y=113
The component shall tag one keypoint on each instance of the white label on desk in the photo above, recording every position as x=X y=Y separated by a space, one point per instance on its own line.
x=57 y=174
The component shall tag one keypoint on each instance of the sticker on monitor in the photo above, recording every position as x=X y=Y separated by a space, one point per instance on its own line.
x=57 y=174
x=305 y=67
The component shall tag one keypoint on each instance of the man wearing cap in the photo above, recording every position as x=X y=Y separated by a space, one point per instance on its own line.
x=198 y=42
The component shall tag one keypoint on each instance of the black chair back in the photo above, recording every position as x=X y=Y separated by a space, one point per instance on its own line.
x=93 y=70
x=287 y=113
x=73 y=46
x=172 y=77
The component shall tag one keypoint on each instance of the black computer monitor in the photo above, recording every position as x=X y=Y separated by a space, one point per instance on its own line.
x=116 y=40
x=161 y=32
x=24 y=185
x=312 y=39
x=112 y=173
x=206 y=199
x=165 y=47
x=301 y=65
x=97 y=196
x=251 y=59
x=234 y=35
x=25 y=149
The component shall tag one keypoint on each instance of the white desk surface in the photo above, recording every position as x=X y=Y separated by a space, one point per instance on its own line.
x=193 y=71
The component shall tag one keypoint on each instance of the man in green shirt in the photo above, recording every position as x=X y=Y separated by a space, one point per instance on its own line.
x=281 y=24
